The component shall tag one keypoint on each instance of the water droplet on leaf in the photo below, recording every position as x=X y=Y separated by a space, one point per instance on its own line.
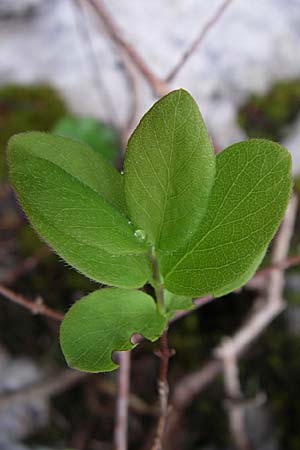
x=140 y=235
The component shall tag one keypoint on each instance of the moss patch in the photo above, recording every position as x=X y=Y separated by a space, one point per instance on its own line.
x=25 y=108
x=269 y=116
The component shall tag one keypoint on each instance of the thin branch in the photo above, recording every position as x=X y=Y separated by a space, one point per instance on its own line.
x=132 y=81
x=50 y=386
x=285 y=263
x=158 y=86
x=234 y=404
x=137 y=405
x=198 y=40
x=82 y=25
x=36 y=307
x=163 y=389
x=25 y=266
x=121 y=427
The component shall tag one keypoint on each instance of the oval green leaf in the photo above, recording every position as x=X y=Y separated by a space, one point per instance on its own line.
x=169 y=171
x=78 y=163
x=67 y=185
x=249 y=198
x=104 y=322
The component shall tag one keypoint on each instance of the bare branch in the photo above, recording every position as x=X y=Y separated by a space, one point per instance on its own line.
x=121 y=427
x=83 y=28
x=36 y=307
x=198 y=40
x=163 y=388
x=50 y=386
x=234 y=404
x=133 y=88
x=158 y=86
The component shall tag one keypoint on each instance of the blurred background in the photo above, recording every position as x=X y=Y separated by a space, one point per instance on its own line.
x=89 y=69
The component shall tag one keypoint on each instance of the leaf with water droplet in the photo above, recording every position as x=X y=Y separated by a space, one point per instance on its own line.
x=140 y=235
x=169 y=171
x=75 y=200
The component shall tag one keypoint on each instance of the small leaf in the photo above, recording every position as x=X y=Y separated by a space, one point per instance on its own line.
x=103 y=322
x=69 y=186
x=169 y=171
x=249 y=198
x=175 y=302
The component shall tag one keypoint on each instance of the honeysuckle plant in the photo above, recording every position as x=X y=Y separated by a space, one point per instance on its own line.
x=179 y=218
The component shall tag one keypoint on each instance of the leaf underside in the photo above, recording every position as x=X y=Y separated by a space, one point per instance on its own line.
x=169 y=171
x=104 y=322
x=248 y=200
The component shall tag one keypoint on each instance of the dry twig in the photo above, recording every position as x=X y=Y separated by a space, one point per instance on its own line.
x=50 y=386
x=158 y=86
x=163 y=389
x=199 y=39
x=121 y=427
x=83 y=28
x=36 y=307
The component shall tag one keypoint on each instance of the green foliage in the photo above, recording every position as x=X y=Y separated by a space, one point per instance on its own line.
x=24 y=108
x=182 y=220
x=269 y=115
x=78 y=210
x=106 y=320
x=175 y=302
x=100 y=137
x=248 y=200
x=170 y=147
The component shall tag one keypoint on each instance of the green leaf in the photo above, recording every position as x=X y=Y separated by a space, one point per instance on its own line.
x=121 y=271
x=175 y=302
x=249 y=198
x=104 y=322
x=86 y=170
x=100 y=137
x=169 y=171
x=69 y=186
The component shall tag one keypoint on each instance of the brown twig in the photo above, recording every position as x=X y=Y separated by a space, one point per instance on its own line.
x=41 y=309
x=36 y=307
x=121 y=427
x=82 y=25
x=198 y=40
x=50 y=386
x=163 y=388
x=25 y=266
x=132 y=82
x=137 y=405
x=158 y=86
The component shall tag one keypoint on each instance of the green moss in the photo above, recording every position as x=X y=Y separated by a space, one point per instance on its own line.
x=25 y=108
x=269 y=116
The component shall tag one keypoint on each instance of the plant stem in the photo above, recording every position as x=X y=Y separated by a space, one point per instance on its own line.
x=164 y=354
x=163 y=391
x=157 y=281
x=121 y=428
